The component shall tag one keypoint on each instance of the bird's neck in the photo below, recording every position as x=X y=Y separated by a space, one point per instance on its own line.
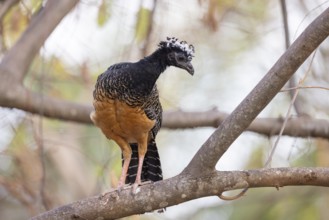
x=157 y=61
x=149 y=71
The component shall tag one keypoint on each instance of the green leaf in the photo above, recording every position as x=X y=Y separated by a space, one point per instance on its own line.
x=103 y=13
x=142 y=24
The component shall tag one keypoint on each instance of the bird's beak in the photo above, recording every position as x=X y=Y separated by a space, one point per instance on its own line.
x=189 y=68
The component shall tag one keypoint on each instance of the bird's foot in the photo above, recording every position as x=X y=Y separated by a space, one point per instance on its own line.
x=106 y=193
x=122 y=186
x=136 y=188
x=146 y=183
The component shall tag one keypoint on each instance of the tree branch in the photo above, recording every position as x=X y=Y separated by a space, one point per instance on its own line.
x=183 y=188
x=260 y=96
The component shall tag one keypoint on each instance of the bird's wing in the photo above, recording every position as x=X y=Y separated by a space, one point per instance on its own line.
x=153 y=110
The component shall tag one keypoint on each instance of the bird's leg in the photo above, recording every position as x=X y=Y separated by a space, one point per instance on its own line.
x=142 y=148
x=139 y=173
x=124 y=171
x=126 y=152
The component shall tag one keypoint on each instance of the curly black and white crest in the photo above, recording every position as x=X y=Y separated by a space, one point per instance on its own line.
x=173 y=42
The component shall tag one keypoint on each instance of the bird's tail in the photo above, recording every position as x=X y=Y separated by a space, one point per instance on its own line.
x=151 y=170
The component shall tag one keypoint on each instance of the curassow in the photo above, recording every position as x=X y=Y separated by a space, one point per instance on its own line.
x=128 y=110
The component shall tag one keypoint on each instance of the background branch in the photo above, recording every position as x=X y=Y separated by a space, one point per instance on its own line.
x=296 y=127
x=22 y=98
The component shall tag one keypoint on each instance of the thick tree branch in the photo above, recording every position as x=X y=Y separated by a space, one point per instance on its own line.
x=260 y=96
x=183 y=188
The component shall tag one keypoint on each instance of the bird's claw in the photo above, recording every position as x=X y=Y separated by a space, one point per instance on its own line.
x=136 y=189
x=146 y=183
x=122 y=187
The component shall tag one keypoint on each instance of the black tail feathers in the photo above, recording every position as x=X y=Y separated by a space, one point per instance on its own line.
x=151 y=166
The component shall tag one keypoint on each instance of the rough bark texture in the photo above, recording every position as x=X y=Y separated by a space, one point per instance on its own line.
x=183 y=188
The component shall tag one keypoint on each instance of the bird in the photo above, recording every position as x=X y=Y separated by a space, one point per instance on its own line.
x=128 y=111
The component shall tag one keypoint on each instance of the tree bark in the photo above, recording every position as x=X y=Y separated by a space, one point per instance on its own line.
x=182 y=188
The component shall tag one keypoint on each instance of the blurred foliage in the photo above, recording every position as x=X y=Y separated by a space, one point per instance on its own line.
x=53 y=77
x=79 y=161
x=104 y=12
x=13 y=25
x=143 y=23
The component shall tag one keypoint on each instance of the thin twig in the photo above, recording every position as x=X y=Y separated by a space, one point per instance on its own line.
x=304 y=87
x=285 y=22
x=292 y=81
x=40 y=143
x=269 y=159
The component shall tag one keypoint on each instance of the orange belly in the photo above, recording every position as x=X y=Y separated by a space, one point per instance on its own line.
x=116 y=118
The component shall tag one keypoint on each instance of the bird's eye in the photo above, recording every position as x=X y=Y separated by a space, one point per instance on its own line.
x=181 y=58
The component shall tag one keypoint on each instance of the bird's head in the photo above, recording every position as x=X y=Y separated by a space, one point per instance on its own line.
x=179 y=53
